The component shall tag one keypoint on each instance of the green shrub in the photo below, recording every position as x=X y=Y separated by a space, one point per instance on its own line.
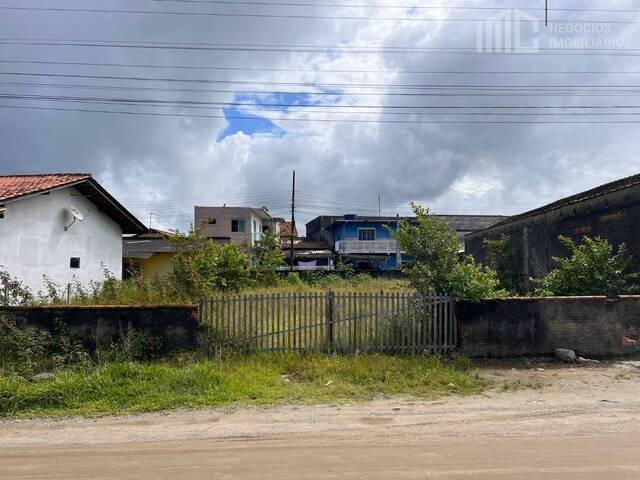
x=13 y=291
x=266 y=259
x=474 y=281
x=592 y=268
x=433 y=246
x=500 y=259
x=21 y=351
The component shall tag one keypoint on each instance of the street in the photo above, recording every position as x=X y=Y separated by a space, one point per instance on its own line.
x=554 y=423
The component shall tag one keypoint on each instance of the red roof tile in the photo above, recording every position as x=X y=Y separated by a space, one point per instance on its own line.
x=285 y=230
x=15 y=186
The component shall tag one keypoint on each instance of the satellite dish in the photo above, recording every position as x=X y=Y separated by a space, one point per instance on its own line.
x=77 y=216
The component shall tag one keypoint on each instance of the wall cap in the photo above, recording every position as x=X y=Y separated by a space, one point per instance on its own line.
x=96 y=307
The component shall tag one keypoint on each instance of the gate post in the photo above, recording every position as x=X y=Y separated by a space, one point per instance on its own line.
x=329 y=319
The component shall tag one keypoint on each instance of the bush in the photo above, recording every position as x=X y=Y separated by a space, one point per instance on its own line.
x=500 y=259
x=436 y=267
x=433 y=247
x=473 y=281
x=21 y=350
x=12 y=291
x=267 y=257
x=593 y=268
x=203 y=267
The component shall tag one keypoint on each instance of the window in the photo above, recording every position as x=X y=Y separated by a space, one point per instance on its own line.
x=211 y=221
x=255 y=227
x=366 y=234
x=74 y=262
x=238 y=225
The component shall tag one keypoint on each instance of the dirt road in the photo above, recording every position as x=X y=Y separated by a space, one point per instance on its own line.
x=582 y=423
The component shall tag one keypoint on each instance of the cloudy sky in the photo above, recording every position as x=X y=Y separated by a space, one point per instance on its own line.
x=218 y=101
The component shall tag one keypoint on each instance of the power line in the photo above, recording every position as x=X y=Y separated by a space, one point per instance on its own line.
x=475 y=91
x=273 y=15
x=395 y=6
x=265 y=109
x=280 y=106
x=461 y=122
x=413 y=86
x=289 y=70
x=222 y=47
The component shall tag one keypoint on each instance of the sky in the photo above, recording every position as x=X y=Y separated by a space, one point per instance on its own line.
x=217 y=102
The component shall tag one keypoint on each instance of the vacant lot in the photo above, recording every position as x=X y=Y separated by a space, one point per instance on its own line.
x=539 y=421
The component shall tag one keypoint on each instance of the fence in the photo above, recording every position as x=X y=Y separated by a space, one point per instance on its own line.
x=331 y=321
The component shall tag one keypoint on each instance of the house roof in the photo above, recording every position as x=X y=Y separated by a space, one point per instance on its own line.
x=285 y=229
x=135 y=245
x=604 y=189
x=16 y=187
x=460 y=223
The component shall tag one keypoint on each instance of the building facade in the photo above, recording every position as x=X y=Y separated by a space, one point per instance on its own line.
x=367 y=242
x=64 y=226
x=238 y=225
x=611 y=211
x=148 y=254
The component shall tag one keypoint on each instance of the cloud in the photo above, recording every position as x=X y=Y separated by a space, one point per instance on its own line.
x=167 y=164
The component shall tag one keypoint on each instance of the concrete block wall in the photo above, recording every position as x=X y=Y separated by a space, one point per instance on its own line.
x=592 y=326
x=169 y=328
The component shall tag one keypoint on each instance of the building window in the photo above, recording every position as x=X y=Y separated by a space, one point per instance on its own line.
x=238 y=225
x=255 y=226
x=74 y=262
x=211 y=221
x=366 y=234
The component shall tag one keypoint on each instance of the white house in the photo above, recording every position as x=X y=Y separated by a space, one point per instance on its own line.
x=64 y=226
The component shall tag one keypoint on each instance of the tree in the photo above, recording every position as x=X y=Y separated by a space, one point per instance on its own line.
x=499 y=258
x=203 y=267
x=433 y=246
x=592 y=268
x=267 y=257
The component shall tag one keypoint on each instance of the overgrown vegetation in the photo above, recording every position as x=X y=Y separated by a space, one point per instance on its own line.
x=436 y=266
x=202 y=269
x=500 y=259
x=259 y=379
x=593 y=267
x=24 y=352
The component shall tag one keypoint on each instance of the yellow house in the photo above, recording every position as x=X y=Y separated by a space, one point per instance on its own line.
x=148 y=254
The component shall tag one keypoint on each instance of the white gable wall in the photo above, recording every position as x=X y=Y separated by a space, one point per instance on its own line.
x=33 y=241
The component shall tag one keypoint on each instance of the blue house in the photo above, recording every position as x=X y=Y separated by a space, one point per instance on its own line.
x=367 y=243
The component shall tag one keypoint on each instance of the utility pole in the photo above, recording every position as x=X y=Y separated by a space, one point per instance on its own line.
x=379 y=210
x=293 y=218
x=151 y=214
x=546 y=13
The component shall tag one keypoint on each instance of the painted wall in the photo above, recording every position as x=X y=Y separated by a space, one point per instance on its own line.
x=223 y=216
x=349 y=230
x=158 y=264
x=33 y=241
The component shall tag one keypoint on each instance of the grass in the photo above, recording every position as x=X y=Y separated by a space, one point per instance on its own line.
x=260 y=379
x=357 y=283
